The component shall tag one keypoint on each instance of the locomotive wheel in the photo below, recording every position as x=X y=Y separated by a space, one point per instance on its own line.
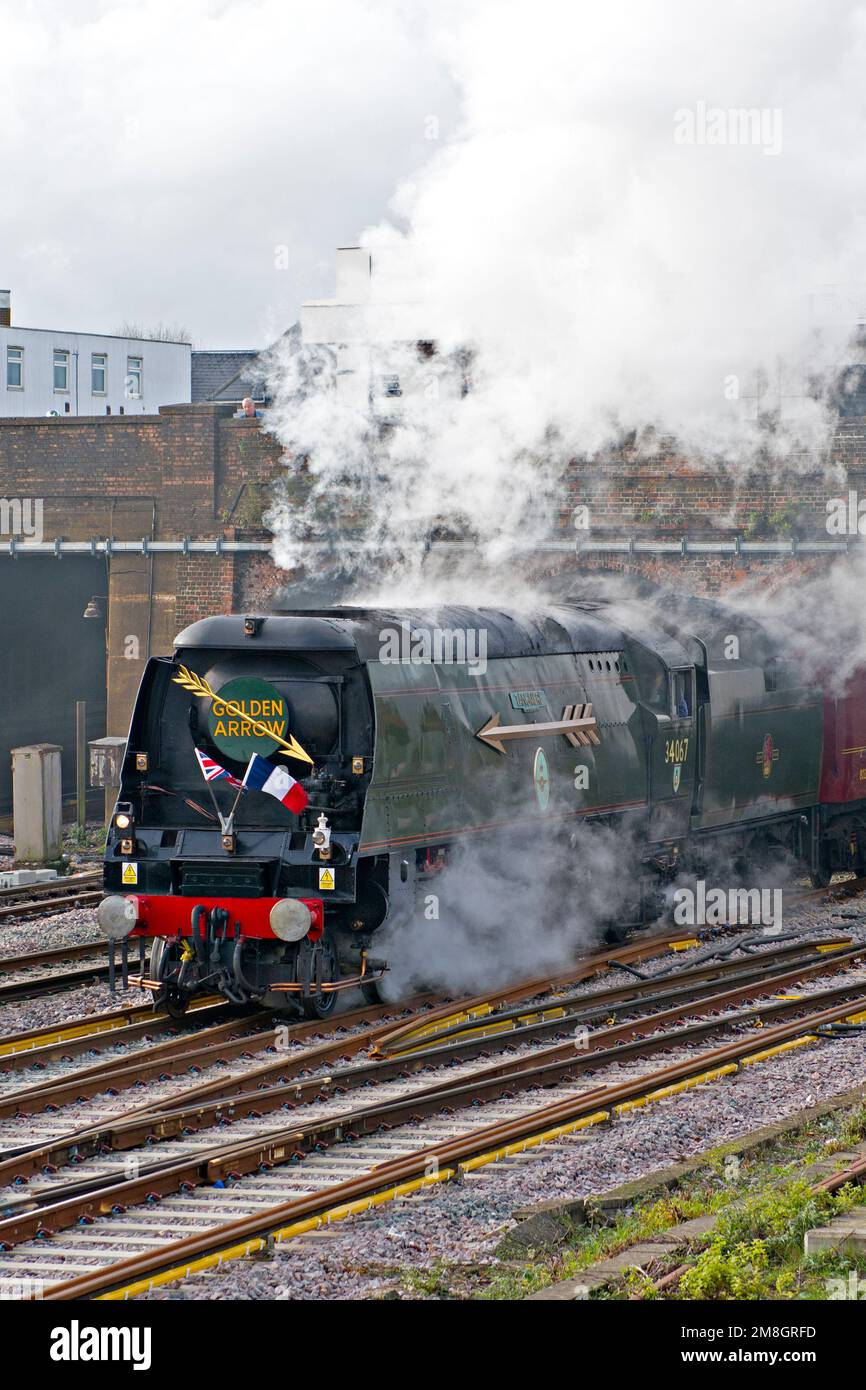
x=372 y=993
x=157 y=954
x=821 y=879
x=616 y=932
x=176 y=1002
x=163 y=955
x=324 y=1004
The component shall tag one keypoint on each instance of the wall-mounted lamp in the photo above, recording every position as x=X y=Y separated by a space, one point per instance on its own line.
x=95 y=606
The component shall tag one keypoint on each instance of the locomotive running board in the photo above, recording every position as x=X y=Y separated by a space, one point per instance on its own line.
x=578 y=724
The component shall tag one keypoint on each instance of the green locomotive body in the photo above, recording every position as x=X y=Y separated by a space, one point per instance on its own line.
x=675 y=722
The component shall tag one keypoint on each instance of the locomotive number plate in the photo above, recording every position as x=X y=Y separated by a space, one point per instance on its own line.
x=676 y=750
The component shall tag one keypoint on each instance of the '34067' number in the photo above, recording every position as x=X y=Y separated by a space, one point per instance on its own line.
x=676 y=750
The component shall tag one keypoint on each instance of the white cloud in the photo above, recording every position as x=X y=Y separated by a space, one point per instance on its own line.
x=155 y=154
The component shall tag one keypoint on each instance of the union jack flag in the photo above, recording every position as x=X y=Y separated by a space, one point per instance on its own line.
x=213 y=772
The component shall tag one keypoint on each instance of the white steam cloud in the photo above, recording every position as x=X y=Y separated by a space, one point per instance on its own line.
x=647 y=224
x=650 y=219
x=500 y=912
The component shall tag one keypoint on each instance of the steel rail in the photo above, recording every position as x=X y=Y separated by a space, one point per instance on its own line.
x=33 y=959
x=447 y=1155
x=216 y=1047
x=527 y=1019
x=51 y=984
x=648 y=945
x=47 y=907
x=83 y=1085
x=544 y=1068
x=235 y=1097
x=51 y=885
x=191 y=1026
x=78 y=1032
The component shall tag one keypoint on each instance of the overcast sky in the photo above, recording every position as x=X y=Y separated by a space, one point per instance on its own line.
x=159 y=155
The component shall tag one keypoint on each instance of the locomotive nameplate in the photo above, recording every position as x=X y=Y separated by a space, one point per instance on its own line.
x=257 y=711
x=528 y=699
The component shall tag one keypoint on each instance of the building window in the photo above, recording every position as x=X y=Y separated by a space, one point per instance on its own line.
x=98 y=373
x=15 y=369
x=133 y=377
x=61 y=370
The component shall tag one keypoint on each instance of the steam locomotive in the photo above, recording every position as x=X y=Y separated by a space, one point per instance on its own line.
x=411 y=735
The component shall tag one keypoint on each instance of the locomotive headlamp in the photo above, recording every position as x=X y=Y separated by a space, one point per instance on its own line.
x=123 y=820
x=117 y=916
x=290 y=919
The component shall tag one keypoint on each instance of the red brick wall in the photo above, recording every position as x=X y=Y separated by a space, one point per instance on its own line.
x=196 y=471
x=169 y=457
x=204 y=584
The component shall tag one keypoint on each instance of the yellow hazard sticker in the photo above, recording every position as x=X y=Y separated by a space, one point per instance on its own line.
x=129 y=874
x=326 y=878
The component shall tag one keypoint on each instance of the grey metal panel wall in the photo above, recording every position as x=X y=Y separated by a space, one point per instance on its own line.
x=50 y=656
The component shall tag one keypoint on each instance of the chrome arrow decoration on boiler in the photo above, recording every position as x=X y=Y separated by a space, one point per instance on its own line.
x=578 y=725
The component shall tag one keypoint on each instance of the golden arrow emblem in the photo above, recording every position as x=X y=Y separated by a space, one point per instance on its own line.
x=197 y=685
x=578 y=724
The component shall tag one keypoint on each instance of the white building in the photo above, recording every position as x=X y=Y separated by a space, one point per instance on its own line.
x=383 y=341
x=47 y=372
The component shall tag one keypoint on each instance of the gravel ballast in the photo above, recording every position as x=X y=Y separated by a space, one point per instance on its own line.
x=454 y=1223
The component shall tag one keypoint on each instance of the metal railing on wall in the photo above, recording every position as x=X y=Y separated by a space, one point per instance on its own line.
x=107 y=547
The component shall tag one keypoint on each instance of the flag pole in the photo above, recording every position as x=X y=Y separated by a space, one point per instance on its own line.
x=241 y=790
x=224 y=826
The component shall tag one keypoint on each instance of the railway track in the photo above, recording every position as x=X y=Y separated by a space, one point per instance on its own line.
x=168 y=1059
x=187 y=1195
x=36 y=1047
x=28 y=986
x=845 y=888
x=84 y=890
x=58 y=895
x=267 y=1087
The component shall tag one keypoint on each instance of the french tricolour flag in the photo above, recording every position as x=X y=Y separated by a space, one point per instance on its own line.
x=215 y=772
x=276 y=781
